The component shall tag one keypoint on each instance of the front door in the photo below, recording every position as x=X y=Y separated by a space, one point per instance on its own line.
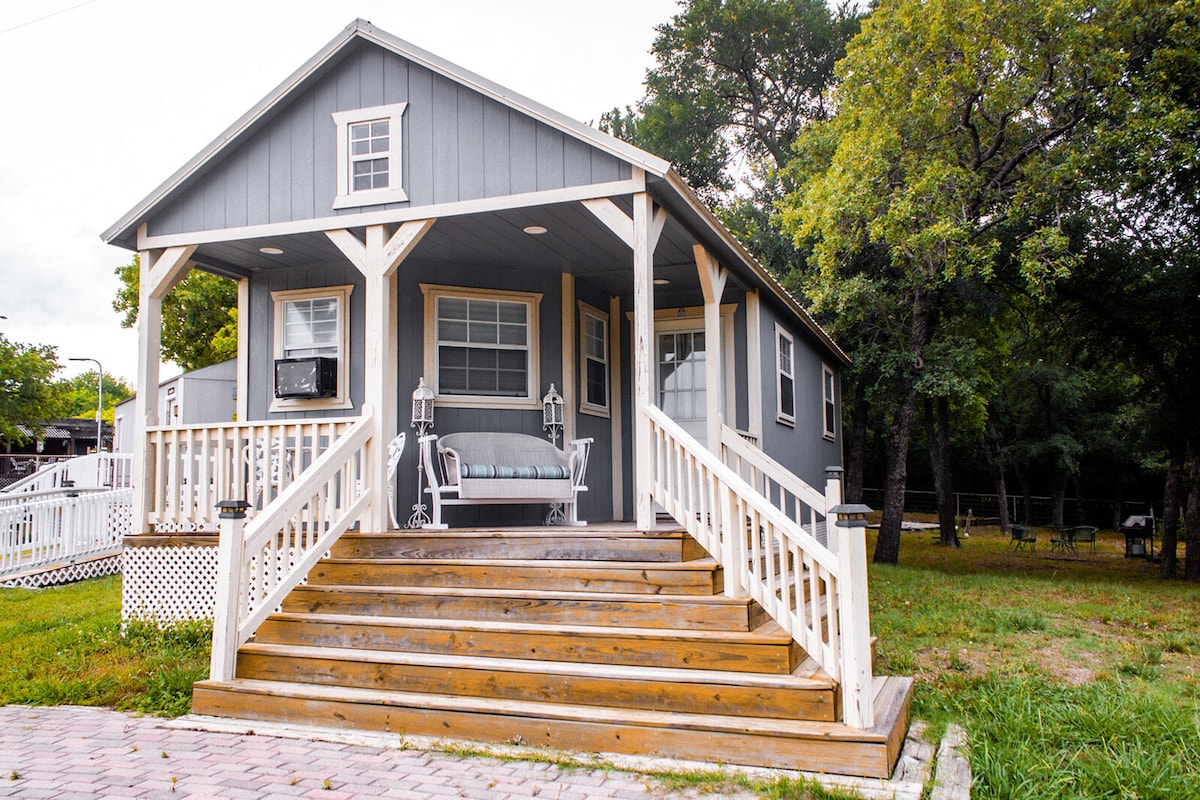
x=682 y=378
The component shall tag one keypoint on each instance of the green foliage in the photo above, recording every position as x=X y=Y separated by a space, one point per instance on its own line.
x=28 y=393
x=65 y=645
x=197 y=327
x=79 y=395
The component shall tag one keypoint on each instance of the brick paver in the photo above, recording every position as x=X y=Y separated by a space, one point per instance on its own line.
x=62 y=753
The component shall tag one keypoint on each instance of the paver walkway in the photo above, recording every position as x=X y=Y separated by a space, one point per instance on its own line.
x=70 y=753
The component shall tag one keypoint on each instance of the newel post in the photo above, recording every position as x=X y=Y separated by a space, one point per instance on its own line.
x=231 y=552
x=854 y=614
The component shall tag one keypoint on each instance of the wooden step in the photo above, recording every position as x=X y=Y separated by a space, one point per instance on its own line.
x=767 y=649
x=791 y=744
x=701 y=612
x=806 y=694
x=697 y=577
x=592 y=544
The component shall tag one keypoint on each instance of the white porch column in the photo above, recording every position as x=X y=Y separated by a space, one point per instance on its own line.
x=712 y=283
x=377 y=259
x=643 y=354
x=243 y=344
x=160 y=271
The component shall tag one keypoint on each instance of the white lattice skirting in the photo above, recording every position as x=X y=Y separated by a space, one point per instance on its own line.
x=67 y=574
x=169 y=584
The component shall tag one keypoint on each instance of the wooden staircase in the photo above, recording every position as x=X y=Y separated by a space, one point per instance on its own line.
x=605 y=639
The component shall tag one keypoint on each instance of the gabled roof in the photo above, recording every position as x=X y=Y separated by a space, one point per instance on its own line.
x=125 y=228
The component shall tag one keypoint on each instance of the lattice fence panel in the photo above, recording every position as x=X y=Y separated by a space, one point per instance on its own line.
x=169 y=584
x=68 y=574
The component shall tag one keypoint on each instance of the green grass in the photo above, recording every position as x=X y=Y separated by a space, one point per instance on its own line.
x=1075 y=675
x=64 y=646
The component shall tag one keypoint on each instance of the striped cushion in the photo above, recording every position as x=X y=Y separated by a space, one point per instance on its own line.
x=548 y=472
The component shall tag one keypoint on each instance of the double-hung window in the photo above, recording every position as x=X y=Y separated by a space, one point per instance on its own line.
x=314 y=322
x=481 y=346
x=828 y=390
x=593 y=332
x=786 y=376
x=369 y=156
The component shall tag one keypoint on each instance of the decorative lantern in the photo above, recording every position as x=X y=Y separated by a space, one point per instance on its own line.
x=422 y=419
x=422 y=407
x=552 y=414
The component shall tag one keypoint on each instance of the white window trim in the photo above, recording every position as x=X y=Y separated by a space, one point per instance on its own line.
x=346 y=197
x=585 y=407
x=783 y=415
x=342 y=399
x=532 y=299
x=828 y=398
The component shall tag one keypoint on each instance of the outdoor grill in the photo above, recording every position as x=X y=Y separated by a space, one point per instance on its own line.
x=1139 y=536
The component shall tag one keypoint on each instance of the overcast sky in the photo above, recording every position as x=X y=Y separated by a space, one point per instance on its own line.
x=106 y=98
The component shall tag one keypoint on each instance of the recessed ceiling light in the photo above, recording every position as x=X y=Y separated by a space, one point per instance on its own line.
x=270 y=251
x=661 y=281
x=534 y=230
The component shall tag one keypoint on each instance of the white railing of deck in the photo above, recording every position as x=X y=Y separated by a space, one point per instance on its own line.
x=261 y=561
x=819 y=597
x=192 y=468
x=795 y=498
x=93 y=471
x=62 y=529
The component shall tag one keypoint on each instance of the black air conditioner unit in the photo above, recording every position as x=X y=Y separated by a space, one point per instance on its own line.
x=311 y=376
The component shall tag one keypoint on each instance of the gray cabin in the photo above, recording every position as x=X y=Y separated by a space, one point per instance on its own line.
x=422 y=253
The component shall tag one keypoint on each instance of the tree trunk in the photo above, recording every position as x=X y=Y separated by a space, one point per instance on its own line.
x=1060 y=500
x=991 y=454
x=856 y=454
x=1027 y=504
x=937 y=428
x=887 y=546
x=1169 y=550
x=1191 y=562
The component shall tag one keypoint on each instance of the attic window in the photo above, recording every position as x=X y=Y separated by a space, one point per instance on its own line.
x=369 y=156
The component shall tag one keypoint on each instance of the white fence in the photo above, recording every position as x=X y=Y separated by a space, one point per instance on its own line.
x=62 y=529
x=97 y=471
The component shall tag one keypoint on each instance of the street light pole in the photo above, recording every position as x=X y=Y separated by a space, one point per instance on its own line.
x=99 y=401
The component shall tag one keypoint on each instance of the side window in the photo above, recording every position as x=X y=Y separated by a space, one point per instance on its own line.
x=829 y=392
x=593 y=346
x=369 y=156
x=786 y=376
x=314 y=322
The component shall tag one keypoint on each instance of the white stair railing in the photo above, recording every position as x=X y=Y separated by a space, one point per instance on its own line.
x=816 y=595
x=191 y=468
x=259 y=562
x=62 y=529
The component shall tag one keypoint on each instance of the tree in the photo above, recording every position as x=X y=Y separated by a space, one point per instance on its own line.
x=79 y=395
x=199 y=325
x=28 y=394
x=951 y=146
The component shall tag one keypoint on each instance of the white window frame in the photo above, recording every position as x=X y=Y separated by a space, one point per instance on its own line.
x=532 y=301
x=586 y=311
x=340 y=400
x=785 y=416
x=828 y=402
x=346 y=196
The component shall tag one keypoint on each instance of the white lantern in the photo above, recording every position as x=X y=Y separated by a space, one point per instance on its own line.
x=552 y=413
x=422 y=405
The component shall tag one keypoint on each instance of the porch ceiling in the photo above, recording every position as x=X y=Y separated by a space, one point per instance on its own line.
x=575 y=242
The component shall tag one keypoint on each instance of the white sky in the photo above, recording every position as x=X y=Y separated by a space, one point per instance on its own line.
x=101 y=103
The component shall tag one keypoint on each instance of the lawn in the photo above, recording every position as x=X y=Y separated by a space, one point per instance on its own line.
x=1076 y=676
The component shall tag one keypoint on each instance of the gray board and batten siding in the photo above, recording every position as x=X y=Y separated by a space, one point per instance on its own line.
x=457 y=145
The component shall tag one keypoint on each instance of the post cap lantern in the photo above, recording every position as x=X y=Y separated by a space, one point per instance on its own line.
x=422 y=404
x=552 y=408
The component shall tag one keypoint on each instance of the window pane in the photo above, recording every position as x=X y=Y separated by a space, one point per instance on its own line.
x=513 y=334
x=452 y=308
x=787 y=398
x=597 y=383
x=512 y=312
x=379 y=128
x=453 y=357
x=482 y=310
x=452 y=330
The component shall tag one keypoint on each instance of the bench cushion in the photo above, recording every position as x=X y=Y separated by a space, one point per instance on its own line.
x=537 y=472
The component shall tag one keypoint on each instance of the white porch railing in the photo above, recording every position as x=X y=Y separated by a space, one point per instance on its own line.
x=94 y=471
x=819 y=597
x=61 y=529
x=192 y=468
x=261 y=561
x=795 y=498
